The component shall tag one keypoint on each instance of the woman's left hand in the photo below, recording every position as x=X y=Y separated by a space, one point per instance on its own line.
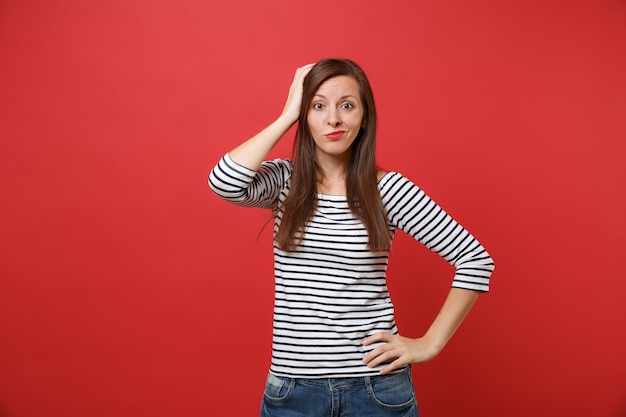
x=398 y=351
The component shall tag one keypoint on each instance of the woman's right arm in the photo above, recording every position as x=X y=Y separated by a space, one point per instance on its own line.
x=240 y=177
x=253 y=152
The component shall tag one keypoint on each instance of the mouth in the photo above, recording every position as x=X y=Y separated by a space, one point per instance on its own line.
x=335 y=135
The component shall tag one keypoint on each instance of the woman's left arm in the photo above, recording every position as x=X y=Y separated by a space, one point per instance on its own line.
x=411 y=210
x=399 y=351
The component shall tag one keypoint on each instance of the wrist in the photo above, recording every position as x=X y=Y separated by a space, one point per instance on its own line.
x=434 y=344
x=288 y=120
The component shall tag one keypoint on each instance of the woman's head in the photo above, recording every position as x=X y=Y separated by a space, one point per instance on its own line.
x=361 y=180
x=324 y=72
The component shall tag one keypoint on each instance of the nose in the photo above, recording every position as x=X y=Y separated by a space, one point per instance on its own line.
x=333 y=118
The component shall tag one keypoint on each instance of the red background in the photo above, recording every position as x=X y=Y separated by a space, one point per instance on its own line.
x=128 y=289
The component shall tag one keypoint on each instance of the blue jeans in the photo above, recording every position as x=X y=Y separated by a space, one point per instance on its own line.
x=370 y=396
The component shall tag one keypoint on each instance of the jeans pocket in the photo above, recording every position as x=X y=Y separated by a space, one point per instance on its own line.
x=278 y=388
x=392 y=392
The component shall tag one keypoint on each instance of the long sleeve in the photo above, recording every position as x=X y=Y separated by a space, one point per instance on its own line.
x=411 y=210
x=245 y=187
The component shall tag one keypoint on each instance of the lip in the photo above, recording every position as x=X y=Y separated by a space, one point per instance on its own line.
x=335 y=135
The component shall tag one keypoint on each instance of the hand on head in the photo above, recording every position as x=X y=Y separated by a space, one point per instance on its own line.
x=294 y=100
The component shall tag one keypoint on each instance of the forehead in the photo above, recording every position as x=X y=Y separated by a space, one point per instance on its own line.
x=342 y=85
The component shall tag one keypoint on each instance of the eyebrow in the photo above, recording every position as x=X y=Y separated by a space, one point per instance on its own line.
x=340 y=98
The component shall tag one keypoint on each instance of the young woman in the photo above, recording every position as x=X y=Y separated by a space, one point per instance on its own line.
x=336 y=348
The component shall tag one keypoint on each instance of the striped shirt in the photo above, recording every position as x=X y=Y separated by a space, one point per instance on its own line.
x=331 y=290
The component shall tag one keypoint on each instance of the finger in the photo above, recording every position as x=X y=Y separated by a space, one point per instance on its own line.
x=382 y=358
x=306 y=67
x=303 y=71
x=298 y=80
x=398 y=363
x=368 y=357
x=378 y=337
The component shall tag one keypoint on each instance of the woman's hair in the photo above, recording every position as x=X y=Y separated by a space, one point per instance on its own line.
x=362 y=174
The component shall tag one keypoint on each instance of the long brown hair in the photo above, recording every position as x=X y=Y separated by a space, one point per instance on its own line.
x=362 y=174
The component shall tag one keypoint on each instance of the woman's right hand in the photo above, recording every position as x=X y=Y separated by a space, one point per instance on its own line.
x=252 y=152
x=294 y=100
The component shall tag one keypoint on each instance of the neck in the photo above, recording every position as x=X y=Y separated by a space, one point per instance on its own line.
x=331 y=179
x=333 y=166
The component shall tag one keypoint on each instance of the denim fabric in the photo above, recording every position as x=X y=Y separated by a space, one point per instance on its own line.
x=370 y=396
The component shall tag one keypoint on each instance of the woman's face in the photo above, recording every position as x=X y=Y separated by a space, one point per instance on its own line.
x=335 y=117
